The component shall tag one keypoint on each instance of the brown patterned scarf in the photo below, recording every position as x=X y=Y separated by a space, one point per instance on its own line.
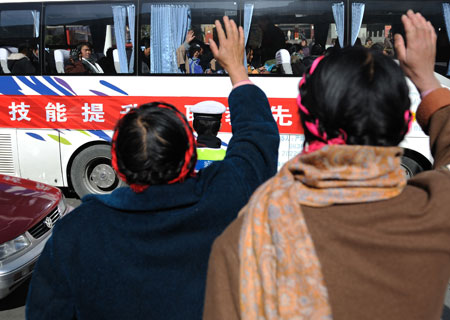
x=280 y=273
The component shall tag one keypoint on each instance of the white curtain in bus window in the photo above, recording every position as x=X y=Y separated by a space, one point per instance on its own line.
x=248 y=13
x=357 y=17
x=131 y=10
x=120 y=32
x=446 y=9
x=338 y=14
x=36 y=18
x=169 y=26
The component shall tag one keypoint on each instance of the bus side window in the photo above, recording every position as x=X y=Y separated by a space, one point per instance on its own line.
x=381 y=20
x=303 y=28
x=89 y=28
x=19 y=38
x=161 y=54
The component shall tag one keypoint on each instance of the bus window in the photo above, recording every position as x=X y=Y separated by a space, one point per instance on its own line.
x=304 y=28
x=163 y=28
x=90 y=38
x=19 y=39
x=59 y=126
x=381 y=20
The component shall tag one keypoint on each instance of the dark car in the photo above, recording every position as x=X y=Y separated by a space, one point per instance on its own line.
x=28 y=212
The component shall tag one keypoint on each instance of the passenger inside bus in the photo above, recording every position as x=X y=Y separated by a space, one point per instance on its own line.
x=20 y=62
x=144 y=55
x=182 y=52
x=304 y=49
x=107 y=62
x=250 y=68
x=273 y=38
x=195 y=52
x=82 y=61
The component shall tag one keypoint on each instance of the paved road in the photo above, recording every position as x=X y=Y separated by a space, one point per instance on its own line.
x=13 y=306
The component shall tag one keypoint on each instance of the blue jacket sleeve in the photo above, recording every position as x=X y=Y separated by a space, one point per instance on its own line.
x=253 y=149
x=49 y=295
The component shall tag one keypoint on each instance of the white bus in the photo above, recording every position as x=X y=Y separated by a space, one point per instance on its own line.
x=56 y=127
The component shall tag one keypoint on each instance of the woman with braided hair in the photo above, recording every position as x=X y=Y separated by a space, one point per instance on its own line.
x=142 y=251
x=339 y=233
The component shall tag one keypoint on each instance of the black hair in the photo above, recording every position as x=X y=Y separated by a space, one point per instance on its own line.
x=377 y=46
x=206 y=126
x=193 y=49
x=82 y=44
x=293 y=48
x=145 y=42
x=109 y=53
x=358 y=42
x=317 y=49
x=360 y=91
x=25 y=48
x=151 y=144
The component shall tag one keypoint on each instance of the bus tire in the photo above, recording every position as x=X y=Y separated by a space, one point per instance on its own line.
x=91 y=171
x=414 y=163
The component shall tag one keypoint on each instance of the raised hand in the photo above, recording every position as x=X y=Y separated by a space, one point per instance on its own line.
x=190 y=36
x=230 y=52
x=417 y=56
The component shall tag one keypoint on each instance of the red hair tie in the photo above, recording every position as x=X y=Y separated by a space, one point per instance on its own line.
x=302 y=82
x=187 y=157
x=408 y=120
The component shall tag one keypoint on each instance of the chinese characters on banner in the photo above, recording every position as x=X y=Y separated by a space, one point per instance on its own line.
x=102 y=112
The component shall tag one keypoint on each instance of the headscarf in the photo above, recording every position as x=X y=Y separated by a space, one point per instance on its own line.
x=280 y=273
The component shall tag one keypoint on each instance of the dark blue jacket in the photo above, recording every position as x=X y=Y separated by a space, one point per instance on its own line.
x=144 y=256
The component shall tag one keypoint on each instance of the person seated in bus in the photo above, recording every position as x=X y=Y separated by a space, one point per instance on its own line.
x=107 y=62
x=298 y=68
x=388 y=47
x=207 y=123
x=273 y=38
x=34 y=58
x=20 y=62
x=195 y=51
x=294 y=51
x=250 y=68
x=82 y=61
x=340 y=232
x=144 y=55
x=316 y=51
x=182 y=51
x=142 y=251
x=379 y=46
x=304 y=49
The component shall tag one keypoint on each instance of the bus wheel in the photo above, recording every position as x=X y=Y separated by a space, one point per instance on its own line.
x=414 y=163
x=91 y=171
